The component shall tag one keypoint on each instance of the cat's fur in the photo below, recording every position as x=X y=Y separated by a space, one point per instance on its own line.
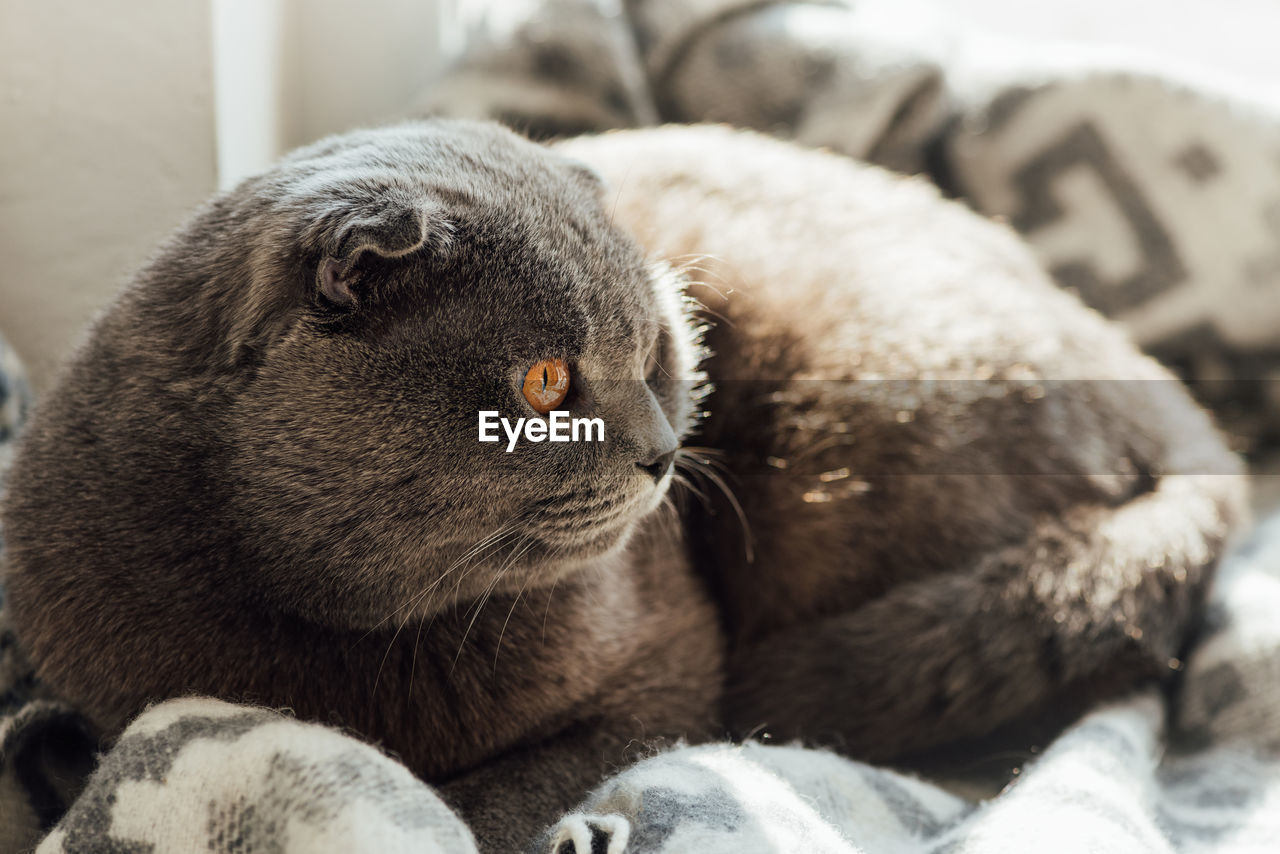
x=242 y=488
x=252 y=474
x=966 y=495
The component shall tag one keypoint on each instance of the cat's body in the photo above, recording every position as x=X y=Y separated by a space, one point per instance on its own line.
x=965 y=495
x=260 y=476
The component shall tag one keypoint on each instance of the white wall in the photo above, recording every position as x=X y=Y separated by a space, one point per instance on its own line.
x=291 y=71
x=106 y=138
x=118 y=116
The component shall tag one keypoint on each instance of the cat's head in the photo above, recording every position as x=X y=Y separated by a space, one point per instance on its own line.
x=395 y=285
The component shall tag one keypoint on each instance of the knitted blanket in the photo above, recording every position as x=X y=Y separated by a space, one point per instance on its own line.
x=1150 y=189
x=1153 y=192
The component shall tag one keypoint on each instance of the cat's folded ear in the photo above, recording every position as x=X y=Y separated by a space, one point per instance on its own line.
x=389 y=227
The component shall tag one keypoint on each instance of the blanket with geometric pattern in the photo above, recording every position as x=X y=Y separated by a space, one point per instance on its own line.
x=1150 y=189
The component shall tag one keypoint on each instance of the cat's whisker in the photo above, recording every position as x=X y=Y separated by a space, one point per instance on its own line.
x=683 y=464
x=695 y=256
x=501 y=632
x=618 y=196
x=471 y=554
x=671 y=517
x=484 y=543
x=478 y=603
x=390 y=645
x=703 y=308
x=695 y=262
x=466 y=573
x=674 y=501
x=413 y=662
x=470 y=559
x=710 y=457
x=703 y=468
x=547 y=613
x=555 y=554
x=688 y=486
x=467 y=563
x=523 y=545
x=704 y=454
x=550 y=595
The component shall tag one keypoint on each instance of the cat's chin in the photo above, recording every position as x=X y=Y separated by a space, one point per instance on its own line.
x=547 y=556
x=605 y=538
x=565 y=558
x=553 y=561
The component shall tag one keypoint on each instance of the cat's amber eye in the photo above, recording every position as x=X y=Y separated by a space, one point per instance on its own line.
x=547 y=384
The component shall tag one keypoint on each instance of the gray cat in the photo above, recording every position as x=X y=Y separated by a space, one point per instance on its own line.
x=260 y=477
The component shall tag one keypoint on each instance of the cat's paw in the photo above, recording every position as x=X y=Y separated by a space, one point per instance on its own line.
x=585 y=833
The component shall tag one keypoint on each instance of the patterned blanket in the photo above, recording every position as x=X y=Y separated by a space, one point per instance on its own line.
x=1150 y=189
x=1153 y=192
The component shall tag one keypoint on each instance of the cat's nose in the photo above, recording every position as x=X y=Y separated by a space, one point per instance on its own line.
x=658 y=465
